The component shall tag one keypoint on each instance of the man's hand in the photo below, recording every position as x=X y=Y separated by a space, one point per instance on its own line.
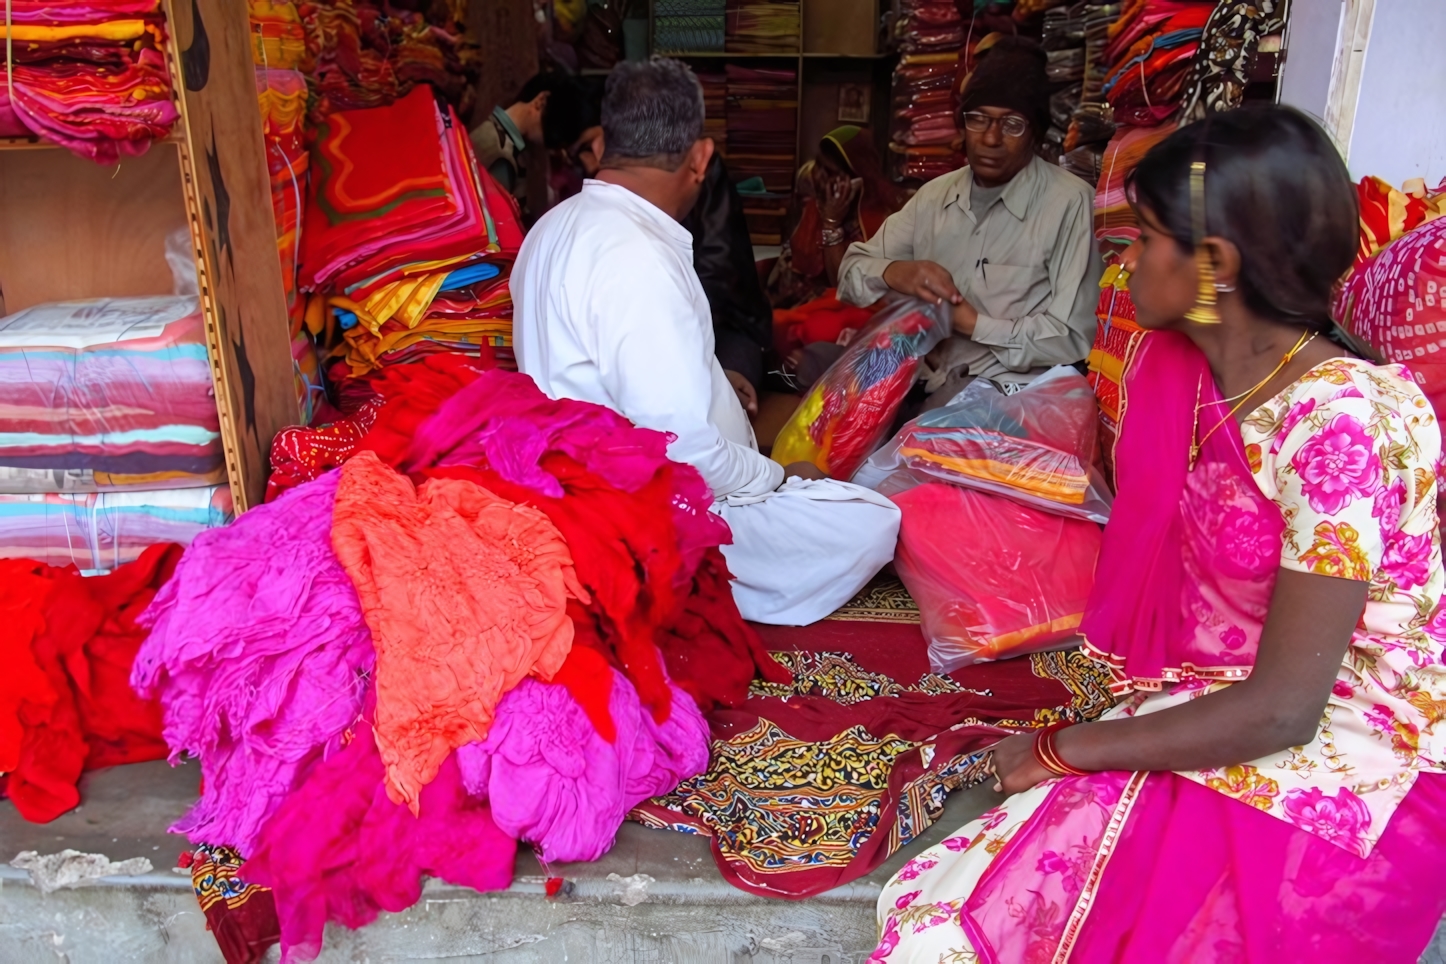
x=923 y=279
x=964 y=317
x=743 y=388
x=802 y=470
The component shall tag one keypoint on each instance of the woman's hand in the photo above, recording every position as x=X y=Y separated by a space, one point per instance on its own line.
x=836 y=196
x=923 y=279
x=1014 y=765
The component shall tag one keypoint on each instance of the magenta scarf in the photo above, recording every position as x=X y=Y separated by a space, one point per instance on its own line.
x=1188 y=561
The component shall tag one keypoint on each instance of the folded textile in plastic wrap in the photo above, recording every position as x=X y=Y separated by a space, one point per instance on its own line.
x=103 y=530
x=107 y=394
x=993 y=577
x=851 y=408
x=1036 y=446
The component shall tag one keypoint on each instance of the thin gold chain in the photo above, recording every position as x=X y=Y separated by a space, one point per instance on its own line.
x=1195 y=446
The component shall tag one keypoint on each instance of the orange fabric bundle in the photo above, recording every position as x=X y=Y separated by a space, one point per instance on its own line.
x=1387 y=213
x=465 y=594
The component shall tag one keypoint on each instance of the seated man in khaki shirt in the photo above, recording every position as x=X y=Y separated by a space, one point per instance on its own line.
x=1008 y=240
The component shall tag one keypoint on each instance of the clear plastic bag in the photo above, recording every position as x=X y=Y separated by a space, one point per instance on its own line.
x=1036 y=446
x=993 y=578
x=850 y=409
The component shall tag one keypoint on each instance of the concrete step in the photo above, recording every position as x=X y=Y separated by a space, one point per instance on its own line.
x=689 y=914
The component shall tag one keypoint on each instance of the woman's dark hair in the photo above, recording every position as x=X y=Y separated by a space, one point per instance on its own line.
x=1275 y=187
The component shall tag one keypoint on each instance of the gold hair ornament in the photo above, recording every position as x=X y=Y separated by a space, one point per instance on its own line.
x=1204 y=312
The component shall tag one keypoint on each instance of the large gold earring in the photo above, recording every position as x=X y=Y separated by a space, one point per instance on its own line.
x=1204 y=312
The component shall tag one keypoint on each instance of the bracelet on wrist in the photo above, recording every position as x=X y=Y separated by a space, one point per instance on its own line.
x=832 y=236
x=1046 y=754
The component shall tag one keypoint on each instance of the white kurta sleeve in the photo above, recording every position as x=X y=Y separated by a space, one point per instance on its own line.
x=655 y=362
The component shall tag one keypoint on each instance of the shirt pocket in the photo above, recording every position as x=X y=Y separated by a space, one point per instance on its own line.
x=1009 y=291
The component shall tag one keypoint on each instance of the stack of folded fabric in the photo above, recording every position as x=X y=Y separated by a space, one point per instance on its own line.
x=1151 y=57
x=1115 y=225
x=763 y=26
x=278 y=49
x=408 y=251
x=90 y=76
x=368 y=55
x=577 y=620
x=685 y=26
x=109 y=437
x=924 y=134
x=762 y=124
x=1116 y=339
x=715 y=107
x=761 y=135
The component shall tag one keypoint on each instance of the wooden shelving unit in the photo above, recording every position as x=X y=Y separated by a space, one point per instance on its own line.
x=72 y=229
x=839 y=43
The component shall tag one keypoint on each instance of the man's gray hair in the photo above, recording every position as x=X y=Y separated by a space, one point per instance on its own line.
x=652 y=112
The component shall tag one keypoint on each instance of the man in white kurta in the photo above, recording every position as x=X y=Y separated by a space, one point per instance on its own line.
x=609 y=310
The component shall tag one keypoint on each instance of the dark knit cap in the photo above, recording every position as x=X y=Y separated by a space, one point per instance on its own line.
x=1011 y=74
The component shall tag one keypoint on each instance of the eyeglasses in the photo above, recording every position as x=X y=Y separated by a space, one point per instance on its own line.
x=1011 y=124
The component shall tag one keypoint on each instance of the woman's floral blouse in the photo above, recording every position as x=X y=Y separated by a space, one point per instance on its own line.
x=1348 y=453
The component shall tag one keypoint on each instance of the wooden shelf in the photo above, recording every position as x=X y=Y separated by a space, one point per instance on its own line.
x=73 y=229
x=730 y=56
x=40 y=144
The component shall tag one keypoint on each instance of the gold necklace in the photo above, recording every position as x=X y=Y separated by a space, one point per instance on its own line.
x=1195 y=446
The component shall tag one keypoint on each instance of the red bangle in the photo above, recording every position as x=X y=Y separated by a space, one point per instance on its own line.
x=1047 y=756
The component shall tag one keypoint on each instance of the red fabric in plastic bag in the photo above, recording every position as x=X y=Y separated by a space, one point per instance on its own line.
x=848 y=412
x=993 y=578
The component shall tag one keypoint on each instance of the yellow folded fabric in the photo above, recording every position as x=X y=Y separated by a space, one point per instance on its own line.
x=1066 y=489
x=110 y=30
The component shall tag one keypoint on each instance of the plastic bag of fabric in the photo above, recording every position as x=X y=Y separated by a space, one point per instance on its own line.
x=849 y=411
x=1036 y=446
x=993 y=577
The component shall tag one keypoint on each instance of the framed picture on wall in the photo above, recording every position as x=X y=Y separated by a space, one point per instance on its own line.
x=853 y=103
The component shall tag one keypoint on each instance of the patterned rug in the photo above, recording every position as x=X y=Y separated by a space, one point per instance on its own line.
x=816 y=783
x=883 y=600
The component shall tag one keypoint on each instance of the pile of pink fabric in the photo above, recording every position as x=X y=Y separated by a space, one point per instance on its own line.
x=410 y=662
x=89 y=75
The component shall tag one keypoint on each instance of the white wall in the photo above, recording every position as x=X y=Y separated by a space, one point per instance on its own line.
x=1399 y=129
x=1312 y=34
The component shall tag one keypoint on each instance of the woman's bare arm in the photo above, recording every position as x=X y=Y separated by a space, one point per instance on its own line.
x=1304 y=641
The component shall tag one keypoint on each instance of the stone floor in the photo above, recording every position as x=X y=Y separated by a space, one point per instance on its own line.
x=690 y=914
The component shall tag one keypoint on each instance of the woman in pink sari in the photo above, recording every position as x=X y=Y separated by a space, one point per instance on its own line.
x=1270 y=787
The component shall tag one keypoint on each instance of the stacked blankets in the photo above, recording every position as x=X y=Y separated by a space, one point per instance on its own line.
x=368 y=55
x=684 y=26
x=512 y=611
x=89 y=75
x=763 y=26
x=923 y=133
x=98 y=396
x=279 y=51
x=408 y=251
